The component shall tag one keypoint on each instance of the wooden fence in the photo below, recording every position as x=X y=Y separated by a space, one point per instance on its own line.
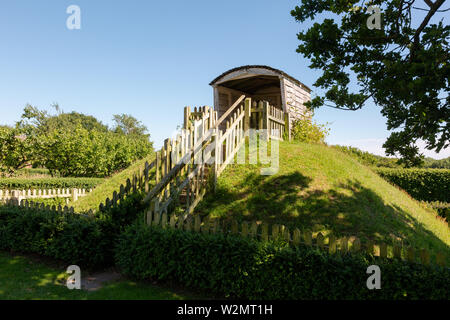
x=40 y=206
x=139 y=181
x=274 y=120
x=266 y=232
x=185 y=164
x=20 y=195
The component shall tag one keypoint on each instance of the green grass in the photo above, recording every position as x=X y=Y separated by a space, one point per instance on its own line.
x=322 y=189
x=108 y=186
x=24 y=278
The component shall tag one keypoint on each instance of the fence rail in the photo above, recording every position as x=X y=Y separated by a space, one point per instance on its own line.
x=266 y=232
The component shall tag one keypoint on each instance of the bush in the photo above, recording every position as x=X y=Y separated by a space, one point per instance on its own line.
x=243 y=268
x=367 y=158
x=49 y=183
x=442 y=208
x=78 y=152
x=421 y=184
x=73 y=238
x=87 y=241
x=307 y=130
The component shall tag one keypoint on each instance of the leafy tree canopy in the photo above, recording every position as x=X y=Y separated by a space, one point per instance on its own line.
x=71 y=144
x=45 y=122
x=404 y=66
x=129 y=125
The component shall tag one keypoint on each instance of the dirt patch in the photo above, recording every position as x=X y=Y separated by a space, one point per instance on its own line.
x=95 y=281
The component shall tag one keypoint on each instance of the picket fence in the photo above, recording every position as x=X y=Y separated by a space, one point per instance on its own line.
x=25 y=204
x=20 y=195
x=266 y=232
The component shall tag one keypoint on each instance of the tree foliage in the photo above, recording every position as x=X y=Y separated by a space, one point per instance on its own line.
x=404 y=67
x=129 y=125
x=16 y=151
x=307 y=130
x=70 y=144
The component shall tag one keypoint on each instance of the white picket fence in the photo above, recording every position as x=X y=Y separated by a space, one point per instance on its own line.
x=19 y=195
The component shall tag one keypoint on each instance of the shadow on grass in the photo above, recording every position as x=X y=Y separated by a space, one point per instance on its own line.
x=349 y=209
x=24 y=278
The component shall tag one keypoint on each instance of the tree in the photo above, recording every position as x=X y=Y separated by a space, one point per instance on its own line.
x=71 y=144
x=404 y=68
x=129 y=125
x=16 y=151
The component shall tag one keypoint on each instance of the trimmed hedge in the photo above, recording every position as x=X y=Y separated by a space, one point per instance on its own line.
x=87 y=241
x=421 y=184
x=49 y=183
x=73 y=238
x=243 y=268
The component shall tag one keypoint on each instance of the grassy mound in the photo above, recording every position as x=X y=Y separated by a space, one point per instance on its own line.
x=322 y=189
x=109 y=185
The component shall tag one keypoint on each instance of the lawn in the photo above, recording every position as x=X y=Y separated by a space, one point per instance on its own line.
x=109 y=185
x=25 y=277
x=321 y=189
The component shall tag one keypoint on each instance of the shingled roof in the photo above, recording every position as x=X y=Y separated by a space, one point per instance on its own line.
x=282 y=73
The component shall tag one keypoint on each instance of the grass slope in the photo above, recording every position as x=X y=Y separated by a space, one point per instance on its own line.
x=24 y=278
x=322 y=189
x=108 y=186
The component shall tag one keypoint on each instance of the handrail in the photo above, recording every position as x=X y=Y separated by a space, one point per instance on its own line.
x=227 y=113
x=167 y=178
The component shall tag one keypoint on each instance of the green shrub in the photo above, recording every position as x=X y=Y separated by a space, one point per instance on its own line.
x=32 y=172
x=367 y=158
x=421 y=184
x=87 y=241
x=49 y=183
x=442 y=208
x=243 y=268
x=76 y=239
x=307 y=130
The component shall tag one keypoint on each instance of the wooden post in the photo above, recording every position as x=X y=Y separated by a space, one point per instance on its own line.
x=307 y=237
x=265 y=121
x=332 y=244
x=215 y=156
x=74 y=194
x=157 y=165
x=146 y=188
x=296 y=238
x=264 y=232
x=187 y=115
x=247 y=114
x=287 y=125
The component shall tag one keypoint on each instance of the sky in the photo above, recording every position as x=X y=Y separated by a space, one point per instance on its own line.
x=151 y=58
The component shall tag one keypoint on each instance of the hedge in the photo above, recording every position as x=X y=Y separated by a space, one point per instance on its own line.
x=87 y=241
x=442 y=208
x=421 y=184
x=237 y=267
x=49 y=183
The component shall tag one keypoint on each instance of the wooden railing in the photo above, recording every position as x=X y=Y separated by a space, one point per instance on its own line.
x=274 y=120
x=181 y=166
x=201 y=152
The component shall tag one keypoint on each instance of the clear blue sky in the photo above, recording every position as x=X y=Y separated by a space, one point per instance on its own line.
x=151 y=58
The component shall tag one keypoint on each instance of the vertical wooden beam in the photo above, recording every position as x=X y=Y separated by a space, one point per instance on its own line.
x=187 y=115
x=265 y=119
x=146 y=171
x=287 y=125
x=247 y=114
x=157 y=166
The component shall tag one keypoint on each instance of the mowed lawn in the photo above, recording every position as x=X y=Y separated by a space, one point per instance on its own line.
x=321 y=189
x=23 y=277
